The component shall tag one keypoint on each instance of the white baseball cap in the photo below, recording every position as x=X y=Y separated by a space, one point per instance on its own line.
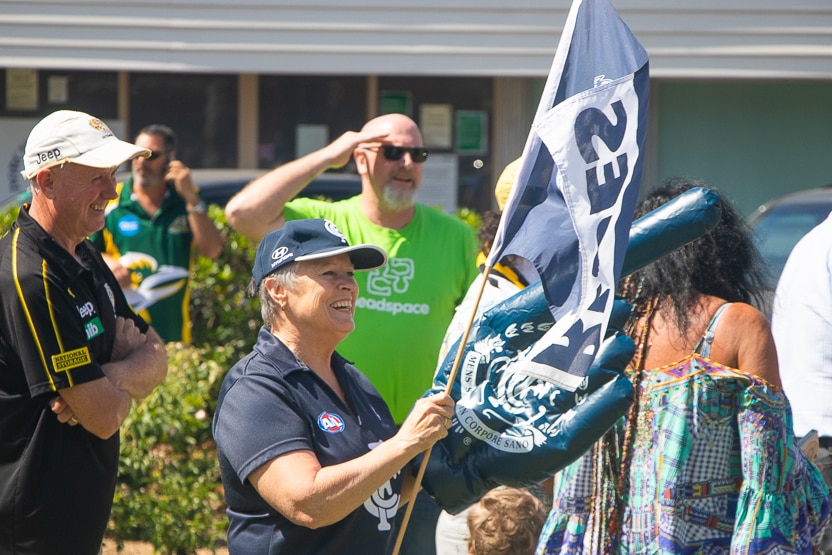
x=67 y=135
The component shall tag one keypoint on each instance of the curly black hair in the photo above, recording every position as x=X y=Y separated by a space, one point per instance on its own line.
x=723 y=263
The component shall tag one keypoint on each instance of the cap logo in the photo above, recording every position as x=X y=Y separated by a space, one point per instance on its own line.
x=279 y=255
x=99 y=125
x=54 y=154
x=331 y=227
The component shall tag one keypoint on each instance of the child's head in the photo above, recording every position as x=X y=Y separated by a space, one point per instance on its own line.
x=505 y=521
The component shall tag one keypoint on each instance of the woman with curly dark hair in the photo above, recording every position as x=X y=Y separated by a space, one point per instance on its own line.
x=705 y=461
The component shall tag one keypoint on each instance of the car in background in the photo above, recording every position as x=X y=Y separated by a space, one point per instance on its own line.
x=780 y=223
x=218 y=185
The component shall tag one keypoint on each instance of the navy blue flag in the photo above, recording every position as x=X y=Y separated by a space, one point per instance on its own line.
x=572 y=203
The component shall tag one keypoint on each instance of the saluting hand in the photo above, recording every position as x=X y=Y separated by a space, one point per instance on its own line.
x=340 y=150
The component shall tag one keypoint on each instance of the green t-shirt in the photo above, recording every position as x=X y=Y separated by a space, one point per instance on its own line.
x=404 y=307
x=158 y=251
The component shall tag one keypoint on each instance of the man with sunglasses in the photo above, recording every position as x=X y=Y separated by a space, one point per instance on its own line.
x=154 y=230
x=404 y=308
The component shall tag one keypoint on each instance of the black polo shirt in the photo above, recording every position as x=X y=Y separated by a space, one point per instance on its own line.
x=270 y=404
x=57 y=329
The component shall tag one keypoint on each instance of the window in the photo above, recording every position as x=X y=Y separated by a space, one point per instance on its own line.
x=200 y=108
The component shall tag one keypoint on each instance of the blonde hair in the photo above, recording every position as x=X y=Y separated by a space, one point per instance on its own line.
x=505 y=183
x=506 y=521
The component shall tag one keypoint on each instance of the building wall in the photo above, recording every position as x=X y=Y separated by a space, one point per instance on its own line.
x=754 y=140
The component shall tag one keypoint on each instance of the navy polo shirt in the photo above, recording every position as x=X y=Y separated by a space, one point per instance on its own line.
x=269 y=404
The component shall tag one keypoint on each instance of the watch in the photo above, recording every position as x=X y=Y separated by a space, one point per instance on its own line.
x=199 y=208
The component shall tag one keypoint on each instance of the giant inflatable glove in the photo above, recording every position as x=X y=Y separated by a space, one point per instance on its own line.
x=514 y=429
x=518 y=430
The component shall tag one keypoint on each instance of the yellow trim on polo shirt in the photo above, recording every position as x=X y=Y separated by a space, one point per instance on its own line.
x=26 y=307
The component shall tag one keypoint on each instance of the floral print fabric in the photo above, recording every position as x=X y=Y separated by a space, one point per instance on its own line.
x=714 y=470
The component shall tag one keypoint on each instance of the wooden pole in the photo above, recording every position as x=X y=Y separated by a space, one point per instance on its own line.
x=451 y=378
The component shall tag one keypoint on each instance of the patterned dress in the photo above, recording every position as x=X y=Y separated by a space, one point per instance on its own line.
x=714 y=470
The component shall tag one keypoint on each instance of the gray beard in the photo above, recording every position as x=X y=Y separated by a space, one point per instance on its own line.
x=397 y=198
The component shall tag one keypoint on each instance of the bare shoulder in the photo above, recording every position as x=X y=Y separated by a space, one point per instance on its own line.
x=746 y=332
x=746 y=322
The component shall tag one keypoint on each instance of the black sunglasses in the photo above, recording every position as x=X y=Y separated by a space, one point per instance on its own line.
x=155 y=154
x=395 y=153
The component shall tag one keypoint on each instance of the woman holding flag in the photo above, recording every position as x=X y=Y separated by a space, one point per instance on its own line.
x=310 y=457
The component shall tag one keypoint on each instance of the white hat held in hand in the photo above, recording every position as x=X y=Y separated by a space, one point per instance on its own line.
x=69 y=136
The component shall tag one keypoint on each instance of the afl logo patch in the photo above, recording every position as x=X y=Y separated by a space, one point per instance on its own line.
x=128 y=226
x=330 y=422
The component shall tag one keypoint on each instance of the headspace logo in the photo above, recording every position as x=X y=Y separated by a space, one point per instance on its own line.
x=392 y=279
x=383 y=305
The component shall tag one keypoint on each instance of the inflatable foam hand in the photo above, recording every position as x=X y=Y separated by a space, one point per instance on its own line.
x=510 y=327
x=514 y=429
x=501 y=331
x=497 y=338
x=498 y=342
x=523 y=429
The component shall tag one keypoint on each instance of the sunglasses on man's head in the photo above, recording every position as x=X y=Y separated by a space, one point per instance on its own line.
x=395 y=153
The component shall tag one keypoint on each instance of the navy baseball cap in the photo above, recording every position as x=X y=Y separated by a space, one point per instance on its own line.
x=300 y=240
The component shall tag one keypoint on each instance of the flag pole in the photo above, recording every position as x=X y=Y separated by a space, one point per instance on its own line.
x=448 y=386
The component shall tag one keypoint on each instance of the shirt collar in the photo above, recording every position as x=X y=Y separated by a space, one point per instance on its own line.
x=48 y=247
x=282 y=358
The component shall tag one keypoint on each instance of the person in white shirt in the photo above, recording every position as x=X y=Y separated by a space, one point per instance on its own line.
x=801 y=323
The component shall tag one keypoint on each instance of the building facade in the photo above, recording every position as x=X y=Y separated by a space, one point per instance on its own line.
x=741 y=92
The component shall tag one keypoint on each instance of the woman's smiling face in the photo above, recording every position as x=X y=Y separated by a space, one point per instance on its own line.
x=322 y=299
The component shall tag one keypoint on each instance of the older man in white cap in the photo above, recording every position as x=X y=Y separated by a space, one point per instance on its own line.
x=73 y=354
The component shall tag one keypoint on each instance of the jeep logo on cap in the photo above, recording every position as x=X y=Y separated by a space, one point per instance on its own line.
x=43 y=157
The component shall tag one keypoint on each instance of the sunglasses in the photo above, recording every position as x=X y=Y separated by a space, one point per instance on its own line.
x=155 y=154
x=395 y=153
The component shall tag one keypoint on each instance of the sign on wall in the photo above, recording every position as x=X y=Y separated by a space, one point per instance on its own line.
x=439 y=182
x=472 y=132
